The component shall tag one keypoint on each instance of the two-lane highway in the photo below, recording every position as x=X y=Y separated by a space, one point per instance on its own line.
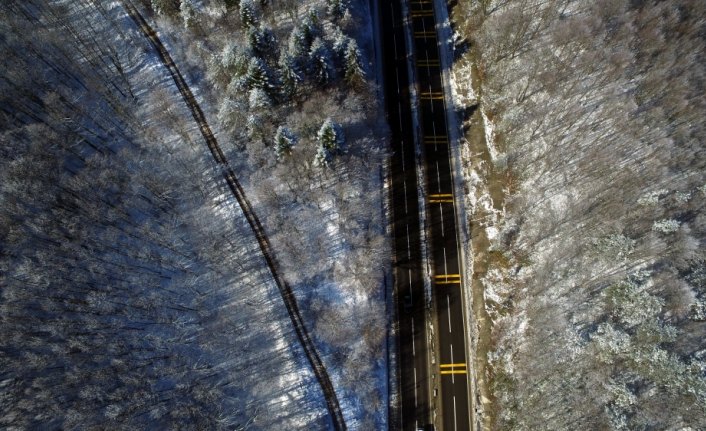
x=439 y=393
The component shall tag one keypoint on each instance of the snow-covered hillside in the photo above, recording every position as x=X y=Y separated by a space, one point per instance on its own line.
x=133 y=292
x=588 y=220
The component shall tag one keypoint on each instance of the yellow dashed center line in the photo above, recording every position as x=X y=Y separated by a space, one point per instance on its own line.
x=424 y=34
x=447 y=279
x=435 y=140
x=452 y=368
x=422 y=13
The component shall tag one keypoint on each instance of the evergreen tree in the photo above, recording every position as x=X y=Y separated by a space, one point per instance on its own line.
x=323 y=156
x=311 y=26
x=330 y=138
x=321 y=62
x=339 y=44
x=290 y=74
x=336 y=8
x=259 y=99
x=254 y=126
x=299 y=42
x=285 y=140
x=247 y=14
x=258 y=75
x=263 y=42
x=235 y=60
x=330 y=135
x=353 y=71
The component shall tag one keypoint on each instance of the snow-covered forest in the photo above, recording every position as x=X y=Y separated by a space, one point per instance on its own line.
x=586 y=176
x=133 y=294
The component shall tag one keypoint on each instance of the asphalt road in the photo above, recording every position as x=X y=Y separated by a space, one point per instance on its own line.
x=448 y=376
x=414 y=412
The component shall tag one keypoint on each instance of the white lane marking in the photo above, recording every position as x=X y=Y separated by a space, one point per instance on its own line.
x=446 y=269
x=455 y=424
x=438 y=177
x=448 y=305
x=409 y=277
x=399 y=116
x=402 y=153
x=415 y=387
x=404 y=183
x=441 y=208
x=409 y=253
x=414 y=350
x=453 y=380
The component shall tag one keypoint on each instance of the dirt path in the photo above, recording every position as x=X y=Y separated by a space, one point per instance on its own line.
x=235 y=187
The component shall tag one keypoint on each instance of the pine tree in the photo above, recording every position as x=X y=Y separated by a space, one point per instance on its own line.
x=247 y=14
x=263 y=42
x=259 y=99
x=323 y=156
x=285 y=140
x=331 y=139
x=298 y=45
x=353 y=70
x=258 y=75
x=336 y=8
x=235 y=60
x=330 y=136
x=321 y=62
x=290 y=75
x=311 y=26
x=339 y=44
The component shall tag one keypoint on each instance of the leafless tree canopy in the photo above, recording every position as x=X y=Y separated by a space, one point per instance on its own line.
x=598 y=288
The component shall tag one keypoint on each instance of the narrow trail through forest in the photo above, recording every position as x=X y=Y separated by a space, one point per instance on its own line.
x=285 y=289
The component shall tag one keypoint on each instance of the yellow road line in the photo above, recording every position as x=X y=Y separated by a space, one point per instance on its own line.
x=422 y=13
x=431 y=96
x=448 y=282
x=424 y=34
x=462 y=364
x=448 y=276
x=453 y=372
x=441 y=195
x=433 y=140
x=441 y=201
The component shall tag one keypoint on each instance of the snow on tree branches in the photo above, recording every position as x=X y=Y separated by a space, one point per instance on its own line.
x=285 y=140
x=331 y=139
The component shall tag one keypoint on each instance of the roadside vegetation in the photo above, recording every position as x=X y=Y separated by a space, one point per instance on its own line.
x=133 y=292
x=589 y=191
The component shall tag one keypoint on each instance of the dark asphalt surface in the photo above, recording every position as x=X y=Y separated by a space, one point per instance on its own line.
x=414 y=380
x=451 y=377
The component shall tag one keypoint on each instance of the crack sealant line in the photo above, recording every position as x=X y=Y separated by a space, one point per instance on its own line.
x=462 y=230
